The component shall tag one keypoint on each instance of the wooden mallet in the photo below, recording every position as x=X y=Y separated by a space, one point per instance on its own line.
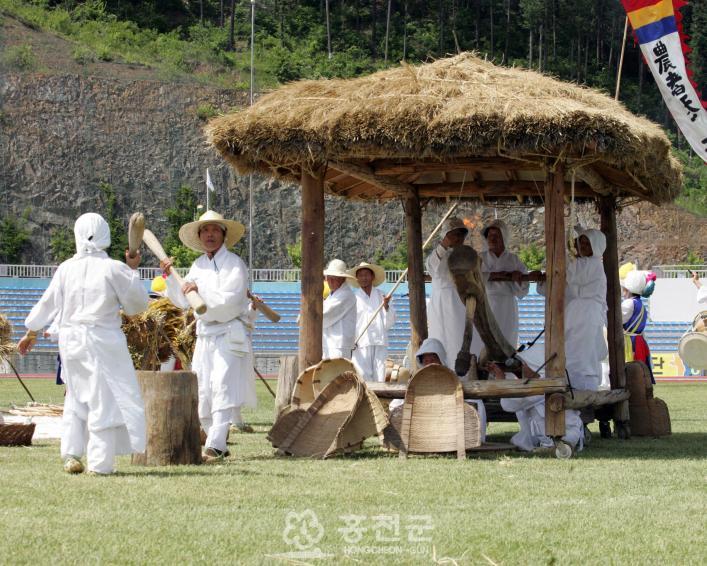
x=260 y=305
x=136 y=228
x=196 y=302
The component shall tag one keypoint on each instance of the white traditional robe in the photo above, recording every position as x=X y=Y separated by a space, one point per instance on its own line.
x=103 y=406
x=222 y=357
x=446 y=314
x=530 y=412
x=502 y=295
x=372 y=350
x=339 y=323
x=702 y=295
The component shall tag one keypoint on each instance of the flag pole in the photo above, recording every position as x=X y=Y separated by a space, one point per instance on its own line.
x=621 y=60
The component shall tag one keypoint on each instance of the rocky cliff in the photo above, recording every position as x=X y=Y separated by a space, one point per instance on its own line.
x=65 y=128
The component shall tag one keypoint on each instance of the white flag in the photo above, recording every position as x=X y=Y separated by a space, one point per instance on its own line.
x=209 y=184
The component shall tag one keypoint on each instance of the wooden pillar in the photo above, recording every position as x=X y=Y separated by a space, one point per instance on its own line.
x=555 y=292
x=416 y=270
x=312 y=280
x=615 y=332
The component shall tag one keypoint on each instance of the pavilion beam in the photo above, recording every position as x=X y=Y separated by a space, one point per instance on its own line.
x=416 y=269
x=367 y=174
x=311 y=310
x=615 y=331
x=555 y=293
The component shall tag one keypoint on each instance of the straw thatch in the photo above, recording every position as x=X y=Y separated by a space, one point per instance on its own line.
x=486 y=129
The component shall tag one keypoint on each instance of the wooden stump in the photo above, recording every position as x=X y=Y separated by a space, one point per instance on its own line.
x=172 y=416
x=286 y=378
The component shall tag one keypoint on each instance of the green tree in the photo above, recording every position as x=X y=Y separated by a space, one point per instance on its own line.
x=114 y=218
x=62 y=244
x=294 y=252
x=183 y=211
x=14 y=238
x=532 y=256
x=396 y=260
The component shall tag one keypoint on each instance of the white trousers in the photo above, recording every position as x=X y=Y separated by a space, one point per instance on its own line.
x=370 y=362
x=216 y=427
x=329 y=353
x=99 y=445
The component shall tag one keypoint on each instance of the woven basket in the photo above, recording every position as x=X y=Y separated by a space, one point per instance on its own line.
x=434 y=417
x=312 y=380
x=16 y=434
x=370 y=419
x=286 y=421
x=316 y=433
x=396 y=373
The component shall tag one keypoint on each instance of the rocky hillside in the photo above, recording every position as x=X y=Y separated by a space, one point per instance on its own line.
x=67 y=126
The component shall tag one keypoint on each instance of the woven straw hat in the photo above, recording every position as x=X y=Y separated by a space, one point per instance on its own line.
x=189 y=233
x=337 y=268
x=378 y=273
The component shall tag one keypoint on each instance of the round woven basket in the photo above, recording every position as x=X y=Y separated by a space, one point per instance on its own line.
x=312 y=380
x=16 y=434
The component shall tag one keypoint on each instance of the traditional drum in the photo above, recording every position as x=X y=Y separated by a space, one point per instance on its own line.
x=693 y=344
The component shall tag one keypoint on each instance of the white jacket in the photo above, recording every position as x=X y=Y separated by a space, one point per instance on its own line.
x=377 y=332
x=339 y=323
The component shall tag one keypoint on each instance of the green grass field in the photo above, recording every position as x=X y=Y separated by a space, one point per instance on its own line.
x=636 y=502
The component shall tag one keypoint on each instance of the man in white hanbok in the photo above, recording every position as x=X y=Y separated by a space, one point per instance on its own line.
x=446 y=314
x=103 y=410
x=372 y=348
x=503 y=272
x=339 y=320
x=222 y=360
x=701 y=290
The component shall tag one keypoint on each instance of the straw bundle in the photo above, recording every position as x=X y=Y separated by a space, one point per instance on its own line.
x=7 y=346
x=161 y=331
x=448 y=110
x=34 y=409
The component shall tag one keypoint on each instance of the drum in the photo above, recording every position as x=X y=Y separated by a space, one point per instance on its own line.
x=693 y=344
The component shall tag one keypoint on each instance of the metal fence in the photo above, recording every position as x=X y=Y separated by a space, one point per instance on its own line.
x=680 y=271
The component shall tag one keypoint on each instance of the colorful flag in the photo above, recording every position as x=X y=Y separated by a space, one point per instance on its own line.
x=658 y=29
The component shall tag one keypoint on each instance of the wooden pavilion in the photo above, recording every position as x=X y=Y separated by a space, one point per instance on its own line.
x=462 y=128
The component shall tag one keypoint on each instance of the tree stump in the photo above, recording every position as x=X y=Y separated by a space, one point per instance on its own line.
x=171 y=412
x=286 y=378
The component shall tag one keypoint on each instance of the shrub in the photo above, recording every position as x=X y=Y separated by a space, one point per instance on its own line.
x=206 y=111
x=532 y=256
x=83 y=55
x=20 y=57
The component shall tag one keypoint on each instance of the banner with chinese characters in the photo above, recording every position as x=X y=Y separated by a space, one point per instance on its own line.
x=658 y=30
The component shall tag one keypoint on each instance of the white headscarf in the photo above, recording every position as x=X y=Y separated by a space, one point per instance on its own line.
x=596 y=239
x=502 y=227
x=431 y=346
x=92 y=234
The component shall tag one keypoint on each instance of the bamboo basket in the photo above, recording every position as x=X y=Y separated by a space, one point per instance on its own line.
x=314 y=379
x=434 y=417
x=396 y=373
x=317 y=431
x=16 y=434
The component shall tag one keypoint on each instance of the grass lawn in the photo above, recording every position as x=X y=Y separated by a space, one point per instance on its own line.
x=638 y=502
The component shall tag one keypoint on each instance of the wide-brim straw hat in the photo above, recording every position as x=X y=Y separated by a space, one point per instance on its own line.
x=189 y=233
x=378 y=273
x=337 y=268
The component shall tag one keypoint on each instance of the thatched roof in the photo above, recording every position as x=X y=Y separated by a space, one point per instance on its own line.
x=457 y=124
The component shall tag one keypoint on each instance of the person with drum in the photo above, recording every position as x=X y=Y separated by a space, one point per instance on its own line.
x=371 y=350
x=339 y=313
x=221 y=360
x=104 y=414
x=701 y=289
x=634 y=315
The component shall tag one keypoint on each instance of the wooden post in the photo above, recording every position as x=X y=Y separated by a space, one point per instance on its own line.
x=286 y=379
x=615 y=331
x=310 y=332
x=555 y=291
x=416 y=270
